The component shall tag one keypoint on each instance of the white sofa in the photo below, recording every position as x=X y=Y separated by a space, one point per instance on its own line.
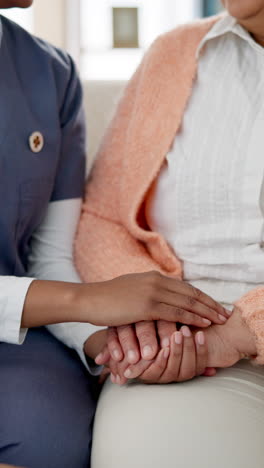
x=100 y=99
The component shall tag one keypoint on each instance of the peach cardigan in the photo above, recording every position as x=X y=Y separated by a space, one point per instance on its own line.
x=113 y=238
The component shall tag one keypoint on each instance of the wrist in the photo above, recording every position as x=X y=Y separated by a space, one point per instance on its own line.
x=247 y=346
x=90 y=302
x=84 y=303
x=242 y=336
x=50 y=302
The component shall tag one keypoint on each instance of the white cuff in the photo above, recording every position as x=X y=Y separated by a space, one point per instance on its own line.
x=74 y=335
x=13 y=291
x=51 y=258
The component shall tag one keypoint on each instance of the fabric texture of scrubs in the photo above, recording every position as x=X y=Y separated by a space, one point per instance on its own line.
x=39 y=91
x=46 y=399
x=47 y=404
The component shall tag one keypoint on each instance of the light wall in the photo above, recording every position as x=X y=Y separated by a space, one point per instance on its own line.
x=50 y=21
x=58 y=21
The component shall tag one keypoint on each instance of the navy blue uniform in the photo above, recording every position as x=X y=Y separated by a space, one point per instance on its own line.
x=39 y=91
x=46 y=396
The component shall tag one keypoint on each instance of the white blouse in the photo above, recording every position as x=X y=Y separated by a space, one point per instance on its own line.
x=208 y=201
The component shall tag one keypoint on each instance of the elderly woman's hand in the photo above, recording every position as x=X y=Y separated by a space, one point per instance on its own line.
x=184 y=358
x=131 y=342
x=230 y=343
x=142 y=340
x=226 y=345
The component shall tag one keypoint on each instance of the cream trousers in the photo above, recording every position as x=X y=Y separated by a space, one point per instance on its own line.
x=213 y=422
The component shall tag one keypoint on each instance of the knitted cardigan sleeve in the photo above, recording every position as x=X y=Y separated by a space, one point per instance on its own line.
x=104 y=248
x=251 y=306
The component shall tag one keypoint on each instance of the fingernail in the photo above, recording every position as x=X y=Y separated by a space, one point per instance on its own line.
x=113 y=380
x=200 y=338
x=208 y=322
x=229 y=312
x=186 y=332
x=116 y=355
x=222 y=318
x=166 y=353
x=147 y=352
x=131 y=356
x=128 y=373
x=178 y=337
x=165 y=342
x=98 y=358
x=118 y=380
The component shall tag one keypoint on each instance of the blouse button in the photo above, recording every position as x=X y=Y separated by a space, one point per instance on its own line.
x=36 y=142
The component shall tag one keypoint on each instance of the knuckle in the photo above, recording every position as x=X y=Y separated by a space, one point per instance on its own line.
x=125 y=332
x=197 y=293
x=111 y=331
x=165 y=327
x=124 y=328
x=144 y=325
x=191 y=301
x=125 y=343
x=145 y=336
x=163 y=332
x=112 y=341
x=180 y=313
x=145 y=329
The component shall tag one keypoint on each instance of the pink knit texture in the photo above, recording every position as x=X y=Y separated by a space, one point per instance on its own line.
x=252 y=309
x=113 y=238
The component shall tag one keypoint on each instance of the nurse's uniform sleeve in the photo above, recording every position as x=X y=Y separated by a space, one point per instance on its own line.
x=51 y=255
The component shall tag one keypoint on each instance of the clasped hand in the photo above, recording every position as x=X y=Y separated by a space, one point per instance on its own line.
x=158 y=352
x=178 y=357
x=188 y=354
